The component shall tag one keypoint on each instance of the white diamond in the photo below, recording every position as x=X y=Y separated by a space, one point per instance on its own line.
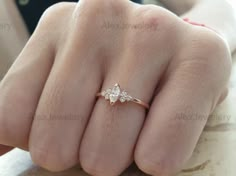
x=128 y=98
x=107 y=96
x=108 y=91
x=103 y=93
x=115 y=93
x=122 y=99
x=123 y=93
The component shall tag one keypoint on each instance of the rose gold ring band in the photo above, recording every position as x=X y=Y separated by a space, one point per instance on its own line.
x=115 y=95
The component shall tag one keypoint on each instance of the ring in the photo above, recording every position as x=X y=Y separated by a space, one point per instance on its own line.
x=115 y=95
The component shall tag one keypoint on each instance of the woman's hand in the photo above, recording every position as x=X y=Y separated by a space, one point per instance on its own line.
x=48 y=101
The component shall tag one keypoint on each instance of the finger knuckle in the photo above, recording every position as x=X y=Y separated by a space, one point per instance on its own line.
x=211 y=47
x=158 y=19
x=49 y=19
x=93 y=169
x=53 y=160
x=153 y=26
x=49 y=29
x=39 y=157
x=10 y=131
x=57 y=10
x=209 y=56
x=98 y=8
x=96 y=166
x=161 y=166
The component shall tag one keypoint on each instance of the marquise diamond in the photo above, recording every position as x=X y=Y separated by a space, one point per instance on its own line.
x=114 y=94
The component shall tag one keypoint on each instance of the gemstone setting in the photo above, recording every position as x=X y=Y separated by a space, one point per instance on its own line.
x=116 y=94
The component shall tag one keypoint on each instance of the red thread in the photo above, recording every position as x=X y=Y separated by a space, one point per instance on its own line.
x=197 y=24
x=194 y=23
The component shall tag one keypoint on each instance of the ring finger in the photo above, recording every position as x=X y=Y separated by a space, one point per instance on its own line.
x=110 y=137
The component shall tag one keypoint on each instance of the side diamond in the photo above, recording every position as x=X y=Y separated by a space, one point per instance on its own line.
x=125 y=97
x=107 y=96
x=122 y=99
x=128 y=98
x=103 y=93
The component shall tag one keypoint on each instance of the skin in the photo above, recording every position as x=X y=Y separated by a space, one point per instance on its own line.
x=47 y=98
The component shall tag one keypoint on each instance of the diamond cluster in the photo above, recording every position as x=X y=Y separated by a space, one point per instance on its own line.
x=115 y=94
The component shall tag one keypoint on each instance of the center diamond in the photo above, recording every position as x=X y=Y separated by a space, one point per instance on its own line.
x=115 y=93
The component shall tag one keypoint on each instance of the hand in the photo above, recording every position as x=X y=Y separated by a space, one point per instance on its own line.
x=47 y=99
